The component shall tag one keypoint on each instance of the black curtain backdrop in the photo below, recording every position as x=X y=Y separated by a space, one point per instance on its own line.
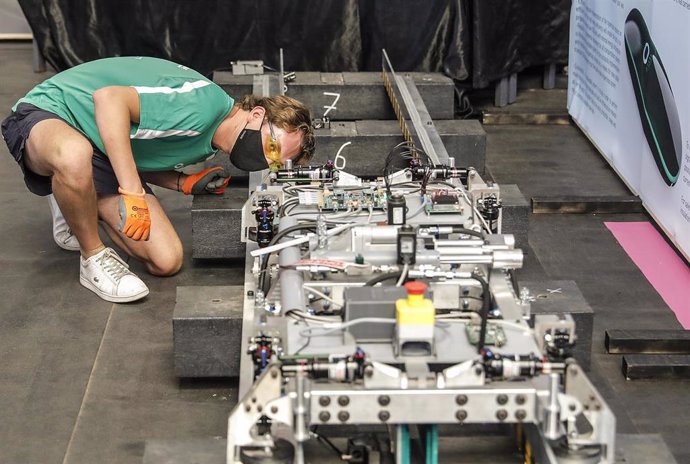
x=476 y=41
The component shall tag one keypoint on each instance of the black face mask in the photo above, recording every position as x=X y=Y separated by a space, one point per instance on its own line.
x=248 y=152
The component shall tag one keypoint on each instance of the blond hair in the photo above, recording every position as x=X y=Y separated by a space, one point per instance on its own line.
x=289 y=114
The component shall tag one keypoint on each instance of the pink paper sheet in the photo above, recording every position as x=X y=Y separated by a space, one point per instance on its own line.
x=665 y=270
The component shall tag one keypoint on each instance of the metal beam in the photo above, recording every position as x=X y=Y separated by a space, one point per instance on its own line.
x=648 y=341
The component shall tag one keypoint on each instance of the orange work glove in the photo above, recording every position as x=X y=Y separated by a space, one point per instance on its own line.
x=211 y=180
x=135 y=220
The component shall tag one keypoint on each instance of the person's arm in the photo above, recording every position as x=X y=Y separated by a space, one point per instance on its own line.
x=210 y=180
x=116 y=108
x=165 y=179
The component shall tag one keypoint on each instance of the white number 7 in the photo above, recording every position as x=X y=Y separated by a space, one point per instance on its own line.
x=332 y=105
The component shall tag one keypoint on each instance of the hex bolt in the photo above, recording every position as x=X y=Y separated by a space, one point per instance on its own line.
x=274 y=409
x=343 y=400
x=384 y=400
x=520 y=414
x=502 y=399
x=384 y=416
x=520 y=399
x=461 y=415
x=461 y=399
x=343 y=416
x=324 y=400
x=324 y=416
x=501 y=414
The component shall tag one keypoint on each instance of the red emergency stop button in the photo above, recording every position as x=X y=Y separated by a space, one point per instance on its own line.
x=415 y=288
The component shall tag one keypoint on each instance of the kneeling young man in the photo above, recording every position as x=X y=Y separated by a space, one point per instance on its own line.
x=94 y=135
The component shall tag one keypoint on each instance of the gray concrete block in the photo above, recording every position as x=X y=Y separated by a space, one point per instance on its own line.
x=361 y=94
x=207 y=331
x=569 y=300
x=372 y=140
x=516 y=211
x=217 y=224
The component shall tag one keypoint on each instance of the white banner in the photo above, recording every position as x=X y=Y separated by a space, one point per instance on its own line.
x=629 y=91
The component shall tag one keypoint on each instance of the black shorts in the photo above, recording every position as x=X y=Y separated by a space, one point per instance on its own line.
x=16 y=129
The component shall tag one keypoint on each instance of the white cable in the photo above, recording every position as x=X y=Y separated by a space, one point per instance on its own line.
x=403 y=275
x=301 y=315
x=300 y=240
x=322 y=295
x=525 y=328
x=330 y=328
x=281 y=245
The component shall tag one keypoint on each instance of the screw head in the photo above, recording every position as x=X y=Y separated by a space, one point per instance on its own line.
x=274 y=373
x=343 y=400
x=520 y=399
x=572 y=407
x=384 y=416
x=324 y=416
x=274 y=409
x=259 y=408
x=502 y=399
x=520 y=414
x=250 y=293
x=324 y=400
x=369 y=371
x=384 y=400
x=461 y=399
x=461 y=415
x=247 y=408
x=478 y=371
x=343 y=416
x=501 y=414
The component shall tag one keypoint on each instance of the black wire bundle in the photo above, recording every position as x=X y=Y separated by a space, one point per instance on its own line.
x=399 y=158
x=382 y=278
x=486 y=307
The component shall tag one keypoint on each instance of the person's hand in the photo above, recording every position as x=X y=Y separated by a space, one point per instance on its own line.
x=135 y=220
x=211 y=180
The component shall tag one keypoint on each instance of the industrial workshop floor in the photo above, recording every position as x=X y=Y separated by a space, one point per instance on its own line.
x=86 y=381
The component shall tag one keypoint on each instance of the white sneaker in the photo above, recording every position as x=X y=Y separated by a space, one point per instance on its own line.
x=109 y=277
x=62 y=234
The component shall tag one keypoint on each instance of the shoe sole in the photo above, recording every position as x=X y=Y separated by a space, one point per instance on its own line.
x=113 y=299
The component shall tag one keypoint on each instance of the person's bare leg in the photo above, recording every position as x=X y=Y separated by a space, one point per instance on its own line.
x=54 y=148
x=161 y=253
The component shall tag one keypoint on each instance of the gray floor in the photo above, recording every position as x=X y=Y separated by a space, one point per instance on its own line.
x=85 y=381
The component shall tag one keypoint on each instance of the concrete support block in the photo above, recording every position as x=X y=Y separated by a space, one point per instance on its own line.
x=207 y=331
x=216 y=225
x=350 y=96
x=565 y=297
x=516 y=210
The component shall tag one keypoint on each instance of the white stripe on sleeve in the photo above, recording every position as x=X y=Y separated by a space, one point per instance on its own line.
x=159 y=134
x=185 y=88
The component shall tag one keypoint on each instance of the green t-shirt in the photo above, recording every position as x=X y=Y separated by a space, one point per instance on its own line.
x=180 y=108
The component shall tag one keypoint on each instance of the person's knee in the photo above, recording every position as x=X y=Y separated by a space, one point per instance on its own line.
x=166 y=264
x=72 y=162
